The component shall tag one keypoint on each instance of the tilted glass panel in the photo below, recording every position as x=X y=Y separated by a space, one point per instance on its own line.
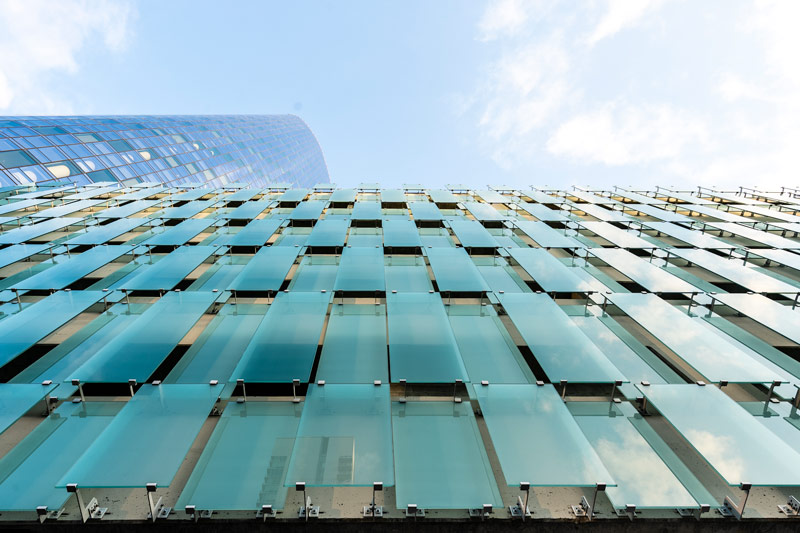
x=483 y=211
x=343 y=196
x=424 y=211
x=407 y=274
x=400 y=234
x=220 y=346
x=310 y=210
x=734 y=271
x=284 y=346
x=293 y=195
x=127 y=210
x=255 y=233
x=547 y=271
x=542 y=198
x=187 y=210
x=422 y=348
x=616 y=236
x=716 y=213
x=169 y=271
x=492 y=197
x=650 y=484
x=486 y=347
x=455 y=271
x=18 y=252
x=440 y=196
x=248 y=210
x=392 y=196
x=545 y=236
x=601 y=213
x=660 y=214
x=107 y=232
x=736 y=445
x=66 y=209
x=33 y=231
x=361 y=269
x=472 y=234
x=329 y=232
x=18 y=399
x=315 y=274
x=181 y=233
x=367 y=211
x=771 y=213
x=557 y=343
x=18 y=205
x=543 y=213
x=244 y=464
x=440 y=460
x=73 y=268
x=267 y=270
x=643 y=272
x=344 y=438
x=779 y=318
x=688 y=236
x=789 y=259
x=354 y=349
x=501 y=277
x=30 y=471
x=138 y=350
x=22 y=330
x=762 y=237
x=148 y=440
x=536 y=438
x=710 y=355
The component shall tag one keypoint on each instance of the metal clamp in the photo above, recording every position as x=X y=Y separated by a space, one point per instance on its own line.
x=730 y=508
x=482 y=513
x=584 y=509
x=412 y=511
x=308 y=509
x=157 y=509
x=792 y=507
x=521 y=509
x=266 y=512
x=93 y=511
x=373 y=510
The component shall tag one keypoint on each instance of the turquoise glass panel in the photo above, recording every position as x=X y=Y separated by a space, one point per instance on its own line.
x=486 y=348
x=284 y=346
x=187 y=210
x=128 y=209
x=710 y=355
x=18 y=399
x=308 y=210
x=400 y=234
x=30 y=472
x=440 y=460
x=536 y=438
x=440 y=196
x=367 y=211
x=18 y=252
x=629 y=355
x=690 y=237
x=779 y=318
x=557 y=343
x=422 y=348
x=761 y=237
x=148 y=440
x=732 y=270
x=545 y=236
x=650 y=484
x=107 y=232
x=167 y=272
x=616 y=236
x=454 y=271
x=407 y=277
x=66 y=209
x=361 y=269
x=181 y=233
x=736 y=445
x=545 y=214
x=472 y=234
x=24 y=329
x=70 y=270
x=220 y=346
x=602 y=214
x=424 y=211
x=483 y=211
x=138 y=350
x=347 y=196
x=244 y=464
x=660 y=214
x=255 y=233
x=392 y=196
x=354 y=349
x=248 y=210
x=547 y=271
x=363 y=240
x=33 y=231
x=315 y=274
x=344 y=438
x=501 y=277
x=293 y=195
x=645 y=273
x=267 y=270
x=329 y=232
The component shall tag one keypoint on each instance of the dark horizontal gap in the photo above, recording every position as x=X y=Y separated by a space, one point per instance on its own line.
x=269 y=389
x=366 y=223
x=23 y=360
x=169 y=363
x=402 y=250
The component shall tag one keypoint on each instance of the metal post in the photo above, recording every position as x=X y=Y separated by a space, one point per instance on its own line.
x=295 y=383
x=131 y=385
x=77 y=383
x=244 y=392
x=404 y=383
x=617 y=383
x=456 y=399
x=73 y=487
x=599 y=487
x=563 y=389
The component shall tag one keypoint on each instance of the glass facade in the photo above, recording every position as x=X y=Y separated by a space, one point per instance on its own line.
x=274 y=352
x=215 y=150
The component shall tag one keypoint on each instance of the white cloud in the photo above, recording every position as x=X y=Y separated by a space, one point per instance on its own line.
x=624 y=135
x=619 y=15
x=502 y=17
x=41 y=39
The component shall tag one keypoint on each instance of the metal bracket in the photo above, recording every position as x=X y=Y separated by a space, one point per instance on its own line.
x=373 y=511
x=44 y=514
x=412 y=511
x=313 y=510
x=157 y=509
x=582 y=509
x=729 y=508
x=516 y=510
x=93 y=511
x=792 y=507
x=482 y=513
x=266 y=512
x=696 y=513
x=629 y=511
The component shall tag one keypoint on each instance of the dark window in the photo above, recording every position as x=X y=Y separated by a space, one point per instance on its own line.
x=16 y=158
x=120 y=146
x=102 y=175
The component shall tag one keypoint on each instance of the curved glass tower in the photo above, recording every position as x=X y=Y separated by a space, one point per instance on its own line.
x=211 y=149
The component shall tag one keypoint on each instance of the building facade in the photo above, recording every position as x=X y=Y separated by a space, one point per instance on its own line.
x=281 y=354
x=176 y=150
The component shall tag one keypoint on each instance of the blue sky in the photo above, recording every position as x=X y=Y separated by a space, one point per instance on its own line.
x=516 y=92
